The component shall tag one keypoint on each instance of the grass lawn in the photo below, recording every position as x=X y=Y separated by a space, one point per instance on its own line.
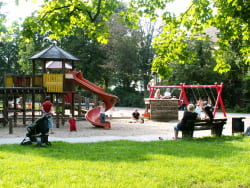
x=207 y=162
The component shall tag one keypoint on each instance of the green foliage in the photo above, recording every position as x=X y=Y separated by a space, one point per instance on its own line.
x=90 y=53
x=231 y=18
x=61 y=18
x=206 y=162
x=29 y=48
x=200 y=72
x=9 y=51
x=3 y=29
x=129 y=97
x=129 y=55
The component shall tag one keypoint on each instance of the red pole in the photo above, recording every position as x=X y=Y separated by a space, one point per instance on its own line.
x=219 y=99
x=221 y=102
x=184 y=94
x=181 y=95
x=151 y=90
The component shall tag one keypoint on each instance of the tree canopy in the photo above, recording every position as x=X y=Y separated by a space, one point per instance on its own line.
x=62 y=17
x=183 y=52
x=230 y=17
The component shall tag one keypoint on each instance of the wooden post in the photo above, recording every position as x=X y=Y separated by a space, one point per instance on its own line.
x=33 y=72
x=15 y=111
x=5 y=109
x=10 y=126
x=79 y=104
x=73 y=105
x=57 y=111
x=33 y=106
x=63 y=109
x=24 y=109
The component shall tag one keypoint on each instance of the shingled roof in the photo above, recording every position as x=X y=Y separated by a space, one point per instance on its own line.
x=53 y=52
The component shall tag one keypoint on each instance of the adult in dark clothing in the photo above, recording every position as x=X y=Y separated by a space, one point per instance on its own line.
x=208 y=112
x=188 y=115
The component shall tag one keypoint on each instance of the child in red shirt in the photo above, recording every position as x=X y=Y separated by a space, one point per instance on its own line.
x=72 y=124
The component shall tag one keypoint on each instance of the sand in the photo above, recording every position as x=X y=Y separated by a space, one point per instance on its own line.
x=121 y=129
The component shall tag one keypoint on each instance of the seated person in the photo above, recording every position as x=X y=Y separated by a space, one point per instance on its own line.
x=190 y=114
x=136 y=117
x=157 y=94
x=199 y=105
x=102 y=112
x=167 y=94
x=208 y=112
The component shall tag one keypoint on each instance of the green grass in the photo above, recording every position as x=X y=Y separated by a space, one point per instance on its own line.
x=207 y=162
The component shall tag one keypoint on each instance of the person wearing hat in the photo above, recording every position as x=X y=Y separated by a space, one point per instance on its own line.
x=47 y=108
x=190 y=114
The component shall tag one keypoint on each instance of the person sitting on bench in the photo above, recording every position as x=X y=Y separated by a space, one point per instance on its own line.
x=208 y=112
x=190 y=114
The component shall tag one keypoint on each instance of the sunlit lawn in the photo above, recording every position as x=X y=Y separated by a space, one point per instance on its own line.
x=208 y=162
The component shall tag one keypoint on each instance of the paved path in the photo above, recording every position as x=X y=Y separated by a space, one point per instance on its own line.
x=141 y=138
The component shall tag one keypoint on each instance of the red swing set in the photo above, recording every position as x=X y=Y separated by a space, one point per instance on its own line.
x=183 y=97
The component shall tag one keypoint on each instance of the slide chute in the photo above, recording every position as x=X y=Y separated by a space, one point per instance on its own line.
x=93 y=115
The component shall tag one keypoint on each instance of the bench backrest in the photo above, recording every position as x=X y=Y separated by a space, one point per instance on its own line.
x=205 y=122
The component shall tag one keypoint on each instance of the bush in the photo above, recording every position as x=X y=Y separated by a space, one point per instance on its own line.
x=129 y=97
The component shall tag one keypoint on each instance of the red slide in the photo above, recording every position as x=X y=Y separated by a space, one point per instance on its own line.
x=93 y=115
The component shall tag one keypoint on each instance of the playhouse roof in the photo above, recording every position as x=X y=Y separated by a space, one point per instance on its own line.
x=53 y=52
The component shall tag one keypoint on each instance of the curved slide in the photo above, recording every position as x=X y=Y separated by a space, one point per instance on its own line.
x=93 y=115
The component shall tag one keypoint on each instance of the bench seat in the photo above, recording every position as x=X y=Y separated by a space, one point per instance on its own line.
x=215 y=125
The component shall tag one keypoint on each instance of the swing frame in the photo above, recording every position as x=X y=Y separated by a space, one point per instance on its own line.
x=183 y=96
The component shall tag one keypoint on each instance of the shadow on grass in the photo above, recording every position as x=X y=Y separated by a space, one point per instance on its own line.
x=134 y=151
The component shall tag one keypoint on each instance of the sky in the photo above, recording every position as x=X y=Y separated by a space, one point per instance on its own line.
x=15 y=12
x=26 y=7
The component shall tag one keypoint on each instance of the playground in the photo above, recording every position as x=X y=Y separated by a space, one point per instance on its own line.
x=121 y=129
x=161 y=114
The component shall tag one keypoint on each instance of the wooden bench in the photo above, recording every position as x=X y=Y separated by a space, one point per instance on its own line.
x=215 y=125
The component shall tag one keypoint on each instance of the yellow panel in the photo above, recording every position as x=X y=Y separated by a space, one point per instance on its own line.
x=38 y=81
x=53 y=82
x=9 y=81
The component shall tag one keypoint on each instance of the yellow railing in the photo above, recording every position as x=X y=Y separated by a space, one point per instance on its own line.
x=38 y=81
x=9 y=81
x=53 y=82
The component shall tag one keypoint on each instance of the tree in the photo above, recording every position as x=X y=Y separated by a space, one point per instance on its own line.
x=9 y=51
x=8 y=47
x=198 y=72
x=145 y=52
x=61 y=18
x=3 y=29
x=230 y=17
x=29 y=48
x=90 y=53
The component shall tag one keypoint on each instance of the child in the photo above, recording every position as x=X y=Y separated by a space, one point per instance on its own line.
x=102 y=112
x=136 y=117
x=72 y=124
x=158 y=94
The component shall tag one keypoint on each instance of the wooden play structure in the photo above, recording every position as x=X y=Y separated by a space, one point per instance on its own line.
x=161 y=109
x=167 y=109
x=57 y=82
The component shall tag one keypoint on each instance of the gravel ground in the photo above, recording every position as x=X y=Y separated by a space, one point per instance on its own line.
x=121 y=129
